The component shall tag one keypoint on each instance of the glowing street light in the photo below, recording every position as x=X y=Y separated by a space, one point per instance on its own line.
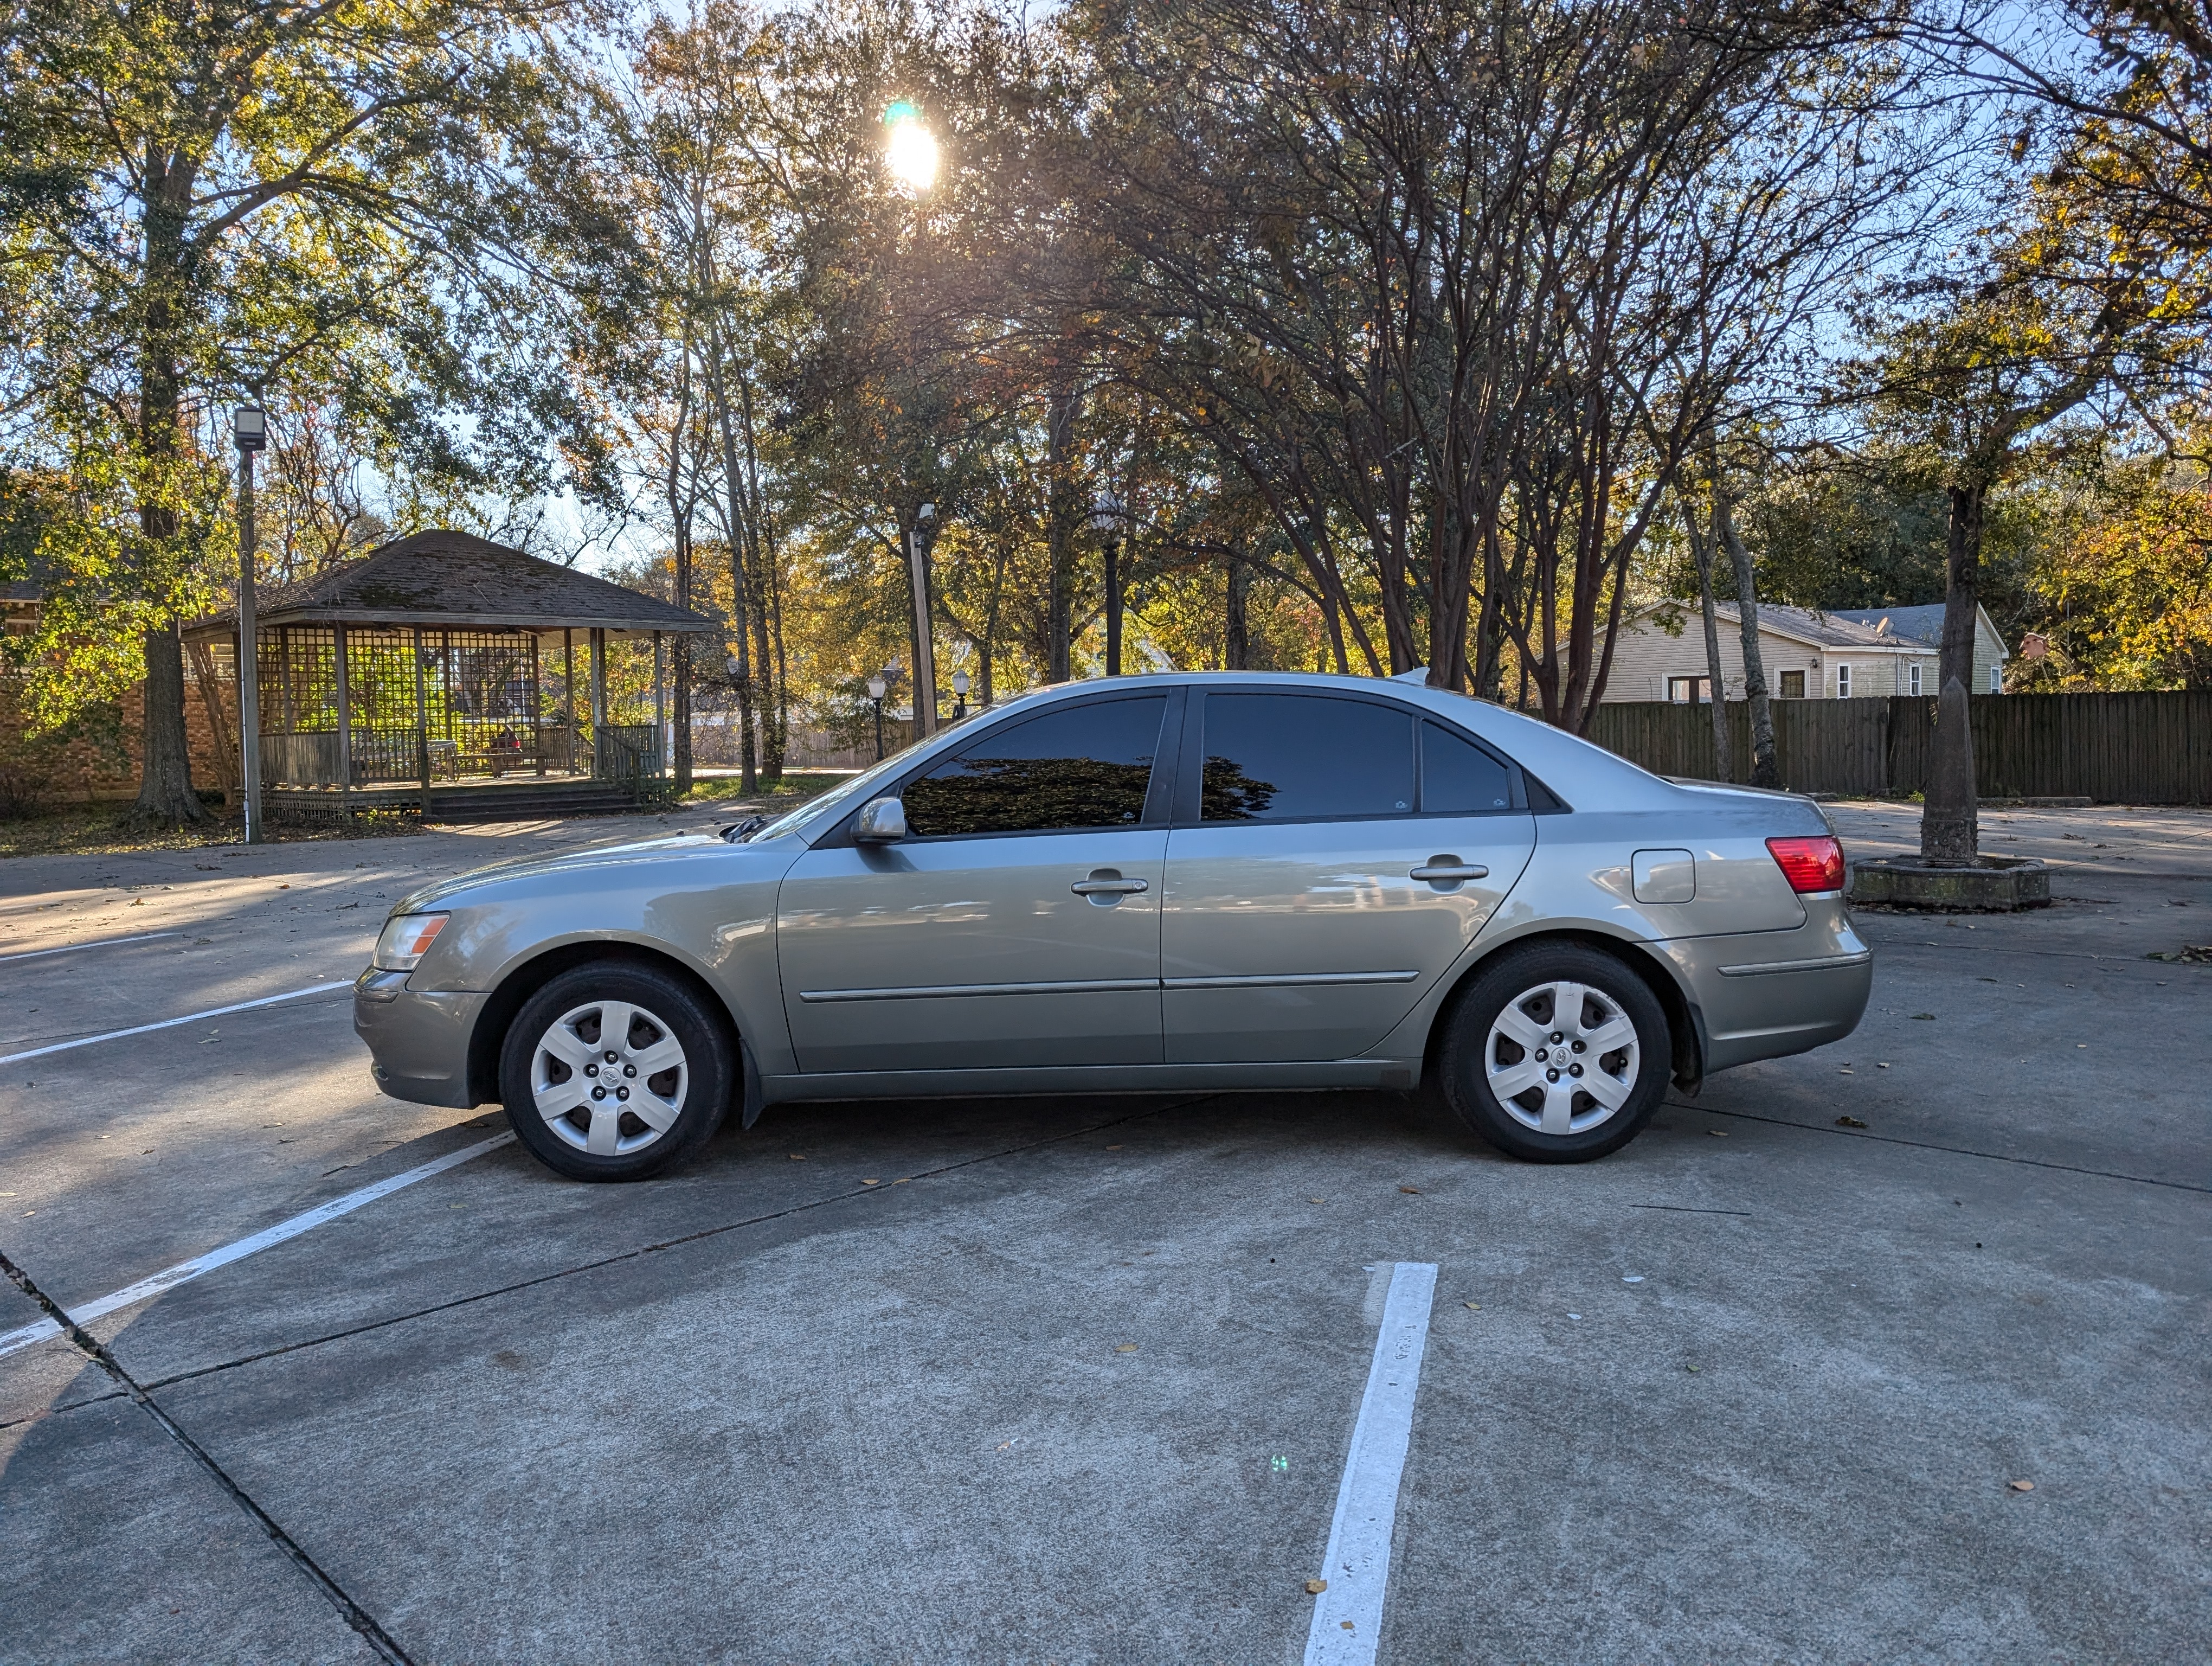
x=911 y=154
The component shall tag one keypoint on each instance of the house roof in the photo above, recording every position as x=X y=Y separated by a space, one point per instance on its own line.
x=1920 y=624
x=455 y=580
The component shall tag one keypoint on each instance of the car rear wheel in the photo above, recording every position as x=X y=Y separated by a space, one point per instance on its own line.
x=1556 y=1052
x=615 y=1071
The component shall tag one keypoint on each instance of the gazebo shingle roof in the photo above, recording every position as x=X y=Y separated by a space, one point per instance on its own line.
x=454 y=580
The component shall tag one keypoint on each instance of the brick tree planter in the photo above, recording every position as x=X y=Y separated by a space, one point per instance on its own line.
x=1994 y=885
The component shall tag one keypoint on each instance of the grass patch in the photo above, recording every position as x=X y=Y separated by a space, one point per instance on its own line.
x=794 y=789
x=102 y=830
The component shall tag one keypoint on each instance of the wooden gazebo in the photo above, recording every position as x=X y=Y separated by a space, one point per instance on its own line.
x=431 y=660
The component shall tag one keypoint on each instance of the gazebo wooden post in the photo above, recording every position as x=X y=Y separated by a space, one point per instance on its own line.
x=537 y=708
x=599 y=698
x=421 y=723
x=345 y=725
x=660 y=713
x=569 y=693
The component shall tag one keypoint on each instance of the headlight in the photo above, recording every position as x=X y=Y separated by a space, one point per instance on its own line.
x=406 y=938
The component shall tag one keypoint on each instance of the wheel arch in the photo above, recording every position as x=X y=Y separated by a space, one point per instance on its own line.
x=1686 y=1027
x=527 y=978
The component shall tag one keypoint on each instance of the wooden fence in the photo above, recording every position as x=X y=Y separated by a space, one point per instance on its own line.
x=2114 y=748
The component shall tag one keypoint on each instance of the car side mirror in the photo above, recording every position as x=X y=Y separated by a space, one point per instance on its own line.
x=881 y=821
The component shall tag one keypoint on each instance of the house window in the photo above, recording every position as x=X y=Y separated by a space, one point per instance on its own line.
x=1912 y=678
x=1690 y=690
x=1793 y=685
x=1996 y=680
x=1842 y=682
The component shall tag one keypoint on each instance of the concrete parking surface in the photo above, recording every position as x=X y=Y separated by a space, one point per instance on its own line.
x=1073 y=1380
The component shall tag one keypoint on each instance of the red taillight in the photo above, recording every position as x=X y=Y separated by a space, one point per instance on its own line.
x=1809 y=864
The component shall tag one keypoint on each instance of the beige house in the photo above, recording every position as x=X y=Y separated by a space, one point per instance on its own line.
x=1807 y=654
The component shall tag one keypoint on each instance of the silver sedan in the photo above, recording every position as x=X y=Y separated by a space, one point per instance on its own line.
x=1178 y=882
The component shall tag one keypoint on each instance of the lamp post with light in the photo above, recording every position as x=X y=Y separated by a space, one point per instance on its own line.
x=1106 y=522
x=249 y=428
x=878 y=685
x=959 y=696
x=918 y=543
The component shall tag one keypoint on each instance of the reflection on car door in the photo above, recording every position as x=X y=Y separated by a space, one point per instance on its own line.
x=1018 y=924
x=1332 y=858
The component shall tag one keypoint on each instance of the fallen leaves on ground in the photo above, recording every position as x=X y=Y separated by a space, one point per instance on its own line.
x=1848 y=1123
x=1316 y=1587
x=2022 y=1486
x=1411 y=1191
x=1125 y=1347
x=2190 y=954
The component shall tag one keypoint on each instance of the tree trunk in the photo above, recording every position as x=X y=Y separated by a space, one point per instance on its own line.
x=165 y=781
x=1236 y=633
x=165 y=784
x=1950 y=834
x=1701 y=552
x=1764 y=772
x=1063 y=513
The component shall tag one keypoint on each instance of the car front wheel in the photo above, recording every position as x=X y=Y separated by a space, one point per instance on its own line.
x=615 y=1071
x=1556 y=1052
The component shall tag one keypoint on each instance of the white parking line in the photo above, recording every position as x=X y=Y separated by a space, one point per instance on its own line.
x=185 y=1271
x=171 y=1024
x=97 y=943
x=1347 y=1617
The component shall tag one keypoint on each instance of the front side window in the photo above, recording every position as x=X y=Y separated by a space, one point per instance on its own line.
x=1305 y=757
x=1842 y=682
x=1912 y=676
x=1080 y=767
x=1793 y=685
x=1996 y=682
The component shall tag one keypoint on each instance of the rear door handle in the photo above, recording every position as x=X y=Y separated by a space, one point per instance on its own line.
x=1441 y=869
x=1113 y=887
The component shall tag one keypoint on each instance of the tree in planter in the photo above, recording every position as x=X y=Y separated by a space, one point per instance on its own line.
x=1970 y=385
x=232 y=195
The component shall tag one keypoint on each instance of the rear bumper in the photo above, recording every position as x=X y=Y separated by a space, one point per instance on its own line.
x=1767 y=995
x=418 y=1039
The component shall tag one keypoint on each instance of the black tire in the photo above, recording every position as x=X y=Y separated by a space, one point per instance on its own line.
x=609 y=1139
x=1476 y=1026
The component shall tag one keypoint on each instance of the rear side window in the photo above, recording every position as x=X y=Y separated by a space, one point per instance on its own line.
x=1458 y=778
x=1305 y=757
x=1082 y=766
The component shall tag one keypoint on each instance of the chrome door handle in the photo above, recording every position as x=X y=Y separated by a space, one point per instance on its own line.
x=1108 y=887
x=1443 y=869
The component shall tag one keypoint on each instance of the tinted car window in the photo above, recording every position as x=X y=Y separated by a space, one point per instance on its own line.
x=1458 y=777
x=1085 y=766
x=1304 y=757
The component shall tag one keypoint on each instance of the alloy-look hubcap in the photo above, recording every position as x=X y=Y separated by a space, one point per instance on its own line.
x=609 y=1078
x=1561 y=1058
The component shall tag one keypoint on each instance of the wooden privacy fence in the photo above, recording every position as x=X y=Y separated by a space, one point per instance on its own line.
x=2114 y=748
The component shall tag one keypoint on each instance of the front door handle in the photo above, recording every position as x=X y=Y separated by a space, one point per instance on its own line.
x=1108 y=884
x=1449 y=870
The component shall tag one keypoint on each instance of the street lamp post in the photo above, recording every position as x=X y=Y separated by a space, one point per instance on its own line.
x=249 y=427
x=876 y=686
x=925 y=648
x=959 y=696
x=1106 y=522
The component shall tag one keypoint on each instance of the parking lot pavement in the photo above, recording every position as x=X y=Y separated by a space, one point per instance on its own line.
x=1073 y=1380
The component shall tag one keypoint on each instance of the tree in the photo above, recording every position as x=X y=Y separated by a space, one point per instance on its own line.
x=214 y=202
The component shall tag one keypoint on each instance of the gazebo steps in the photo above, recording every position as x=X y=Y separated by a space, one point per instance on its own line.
x=535 y=802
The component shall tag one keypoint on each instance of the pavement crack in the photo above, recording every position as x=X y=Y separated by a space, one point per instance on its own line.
x=654 y=1248
x=1932 y=1144
x=350 y=1611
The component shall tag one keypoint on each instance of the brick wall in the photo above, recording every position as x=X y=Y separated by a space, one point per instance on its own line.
x=89 y=772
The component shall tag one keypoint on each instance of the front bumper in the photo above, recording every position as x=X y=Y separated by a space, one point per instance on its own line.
x=418 y=1039
x=1767 y=995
